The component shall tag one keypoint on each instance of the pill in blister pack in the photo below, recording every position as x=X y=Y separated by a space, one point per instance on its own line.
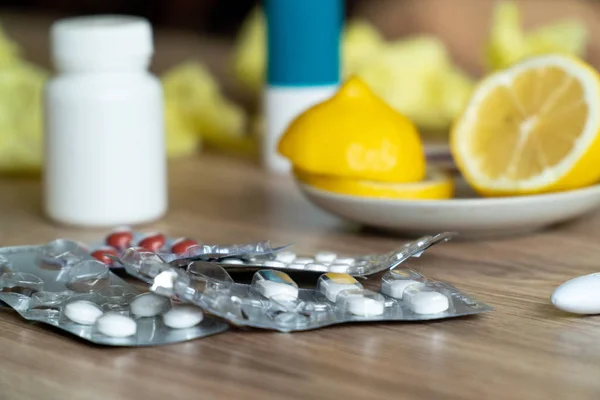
x=273 y=300
x=327 y=261
x=255 y=256
x=60 y=284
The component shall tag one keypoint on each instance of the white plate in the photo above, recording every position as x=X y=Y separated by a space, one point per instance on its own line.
x=467 y=215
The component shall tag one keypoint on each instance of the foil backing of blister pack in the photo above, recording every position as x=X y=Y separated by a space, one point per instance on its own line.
x=273 y=301
x=39 y=281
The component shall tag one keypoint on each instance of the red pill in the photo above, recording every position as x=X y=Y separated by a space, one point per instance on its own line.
x=101 y=255
x=153 y=242
x=120 y=239
x=182 y=245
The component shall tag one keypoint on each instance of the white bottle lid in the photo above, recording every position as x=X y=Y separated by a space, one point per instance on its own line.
x=100 y=41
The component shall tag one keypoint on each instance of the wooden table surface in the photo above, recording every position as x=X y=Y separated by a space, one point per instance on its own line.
x=525 y=349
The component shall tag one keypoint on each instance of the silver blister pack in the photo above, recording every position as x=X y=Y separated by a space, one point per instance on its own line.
x=60 y=284
x=274 y=301
x=253 y=257
x=179 y=251
x=327 y=261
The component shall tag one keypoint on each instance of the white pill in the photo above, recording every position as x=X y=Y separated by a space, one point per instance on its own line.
x=82 y=312
x=347 y=261
x=181 y=317
x=579 y=295
x=316 y=267
x=271 y=289
x=396 y=288
x=286 y=256
x=333 y=289
x=116 y=325
x=428 y=302
x=364 y=306
x=296 y=266
x=273 y=264
x=149 y=305
x=303 y=260
x=338 y=268
x=325 y=257
x=232 y=261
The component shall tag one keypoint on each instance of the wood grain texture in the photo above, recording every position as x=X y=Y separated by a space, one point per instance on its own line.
x=525 y=349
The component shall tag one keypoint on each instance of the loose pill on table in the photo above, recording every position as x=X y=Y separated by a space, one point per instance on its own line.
x=579 y=295
x=303 y=260
x=116 y=325
x=101 y=255
x=396 y=288
x=286 y=256
x=120 y=239
x=232 y=261
x=153 y=242
x=180 y=246
x=271 y=289
x=364 y=306
x=428 y=302
x=325 y=257
x=149 y=305
x=82 y=312
x=183 y=316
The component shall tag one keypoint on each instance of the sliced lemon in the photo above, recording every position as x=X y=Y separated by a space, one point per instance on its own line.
x=531 y=128
x=437 y=186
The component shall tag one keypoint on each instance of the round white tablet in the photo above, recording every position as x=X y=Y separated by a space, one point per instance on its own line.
x=303 y=260
x=428 y=303
x=116 y=325
x=184 y=316
x=149 y=305
x=325 y=257
x=82 y=312
x=364 y=306
x=286 y=256
x=397 y=287
x=347 y=261
x=271 y=289
x=233 y=261
x=273 y=264
x=339 y=268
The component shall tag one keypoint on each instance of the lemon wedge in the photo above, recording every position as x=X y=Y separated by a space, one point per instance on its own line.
x=355 y=135
x=437 y=186
x=531 y=128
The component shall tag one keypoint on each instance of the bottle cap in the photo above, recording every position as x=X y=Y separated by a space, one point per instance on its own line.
x=304 y=41
x=100 y=39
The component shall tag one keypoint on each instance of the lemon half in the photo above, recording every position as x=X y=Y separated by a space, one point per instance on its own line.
x=531 y=128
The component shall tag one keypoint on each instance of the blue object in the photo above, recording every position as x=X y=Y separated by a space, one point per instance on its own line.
x=304 y=41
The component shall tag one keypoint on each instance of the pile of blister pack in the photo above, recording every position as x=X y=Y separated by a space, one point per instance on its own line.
x=192 y=293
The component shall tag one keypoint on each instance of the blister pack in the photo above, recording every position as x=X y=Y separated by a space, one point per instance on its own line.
x=60 y=284
x=254 y=257
x=274 y=301
x=179 y=251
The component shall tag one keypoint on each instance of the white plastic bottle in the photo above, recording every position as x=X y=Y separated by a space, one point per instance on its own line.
x=105 y=156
